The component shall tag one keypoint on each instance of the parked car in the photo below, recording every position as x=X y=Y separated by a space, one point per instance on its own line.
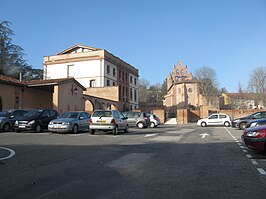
x=139 y=119
x=241 y=123
x=154 y=120
x=258 y=122
x=215 y=119
x=255 y=137
x=73 y=121
x=8 y=118
x=108 y=120
x=35 y=120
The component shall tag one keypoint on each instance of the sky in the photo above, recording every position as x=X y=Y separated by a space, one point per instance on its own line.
x=228 y=36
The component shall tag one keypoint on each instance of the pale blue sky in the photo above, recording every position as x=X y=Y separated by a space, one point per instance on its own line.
x=152 y=35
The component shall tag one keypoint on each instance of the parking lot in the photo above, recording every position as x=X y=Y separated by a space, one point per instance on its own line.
x=182 y=161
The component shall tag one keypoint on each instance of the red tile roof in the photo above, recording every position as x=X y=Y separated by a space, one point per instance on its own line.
x=11 y=80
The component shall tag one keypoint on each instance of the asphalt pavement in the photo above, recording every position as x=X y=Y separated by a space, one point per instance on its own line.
x=182 y=161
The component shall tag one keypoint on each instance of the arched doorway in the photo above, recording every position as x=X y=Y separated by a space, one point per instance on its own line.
x=113 y=107
x=89 y=106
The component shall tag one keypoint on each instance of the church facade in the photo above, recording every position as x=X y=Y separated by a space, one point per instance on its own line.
x=182 y=89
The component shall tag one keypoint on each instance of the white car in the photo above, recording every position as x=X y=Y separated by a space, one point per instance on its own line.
x=217 y=119
x=155 y=121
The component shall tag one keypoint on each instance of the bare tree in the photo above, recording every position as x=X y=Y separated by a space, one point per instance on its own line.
x=208 y=83
x=257 y=84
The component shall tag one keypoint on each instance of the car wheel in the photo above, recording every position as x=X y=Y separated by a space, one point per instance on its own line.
x=242 y=125
x=226 y=124
x=92 y=131
x=115 y=131
x=140 y=125
x=152 y=125
x=6 y=127
x=126 y=129
x=203 y=124
x=75 y=129
x=38 y=128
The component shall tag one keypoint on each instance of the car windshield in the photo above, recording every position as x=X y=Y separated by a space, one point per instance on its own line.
x=102 y=114
x=33 y=113
x=69 y=115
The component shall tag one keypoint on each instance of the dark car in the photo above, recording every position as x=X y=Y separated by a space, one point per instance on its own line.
x=35 y=120
x=255 y=137
x=8 y=118
x=139 y=119
x=241 y=123
x=257 y=122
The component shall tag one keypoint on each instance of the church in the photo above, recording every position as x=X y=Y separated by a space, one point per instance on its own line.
x=182 y=89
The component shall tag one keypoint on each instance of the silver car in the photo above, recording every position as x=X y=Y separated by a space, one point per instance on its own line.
x=105 y=120
x=73 y=121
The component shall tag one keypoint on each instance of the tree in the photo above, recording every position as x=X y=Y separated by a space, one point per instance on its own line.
x=11 y=56
x=208 y=83
x=257 y=84
x=151 y=93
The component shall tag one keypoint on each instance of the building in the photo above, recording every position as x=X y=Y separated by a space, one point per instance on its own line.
x=60 y=94
x=232 y=101
x=182 y=90
x=106 y=77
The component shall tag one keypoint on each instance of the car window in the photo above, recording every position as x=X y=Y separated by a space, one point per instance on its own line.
x=45 y=114
x=53 y=113
x=121 y=116
x=115 y=114
x=257 y=116
x=102 y=114
x=145 y=114
x=213 y=117
x=33 y=113
x=3 y=114
x=223 y=116
x=83 y=115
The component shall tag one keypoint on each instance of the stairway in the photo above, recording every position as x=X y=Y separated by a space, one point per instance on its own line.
x=170 y=121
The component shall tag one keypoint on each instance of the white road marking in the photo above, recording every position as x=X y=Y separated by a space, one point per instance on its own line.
x=239 y=144
x=242 y=147
x=203 y=135
x=248 y=156
x=12 y=153
x=150 y=135
x=262 y=172
x=245 y=151
x=254 y=162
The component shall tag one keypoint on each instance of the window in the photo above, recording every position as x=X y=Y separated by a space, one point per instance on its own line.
x=108 y=82
x=70 y=71
x=135 y=81
x=114 y=72
x=119 y=74
x=45 y=114
x=131 y=94
x=222 y=116
x=108 y=69
x=131 y=80
x=92 y=83
x=176 y=78
x=113 y=83
x=213 y=117
x=135 y=95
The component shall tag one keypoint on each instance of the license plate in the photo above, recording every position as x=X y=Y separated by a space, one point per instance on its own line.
x=21 y=126
x=101 y=121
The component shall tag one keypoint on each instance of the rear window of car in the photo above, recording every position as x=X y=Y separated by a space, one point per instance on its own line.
x=102 y=114
x=223 y=116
